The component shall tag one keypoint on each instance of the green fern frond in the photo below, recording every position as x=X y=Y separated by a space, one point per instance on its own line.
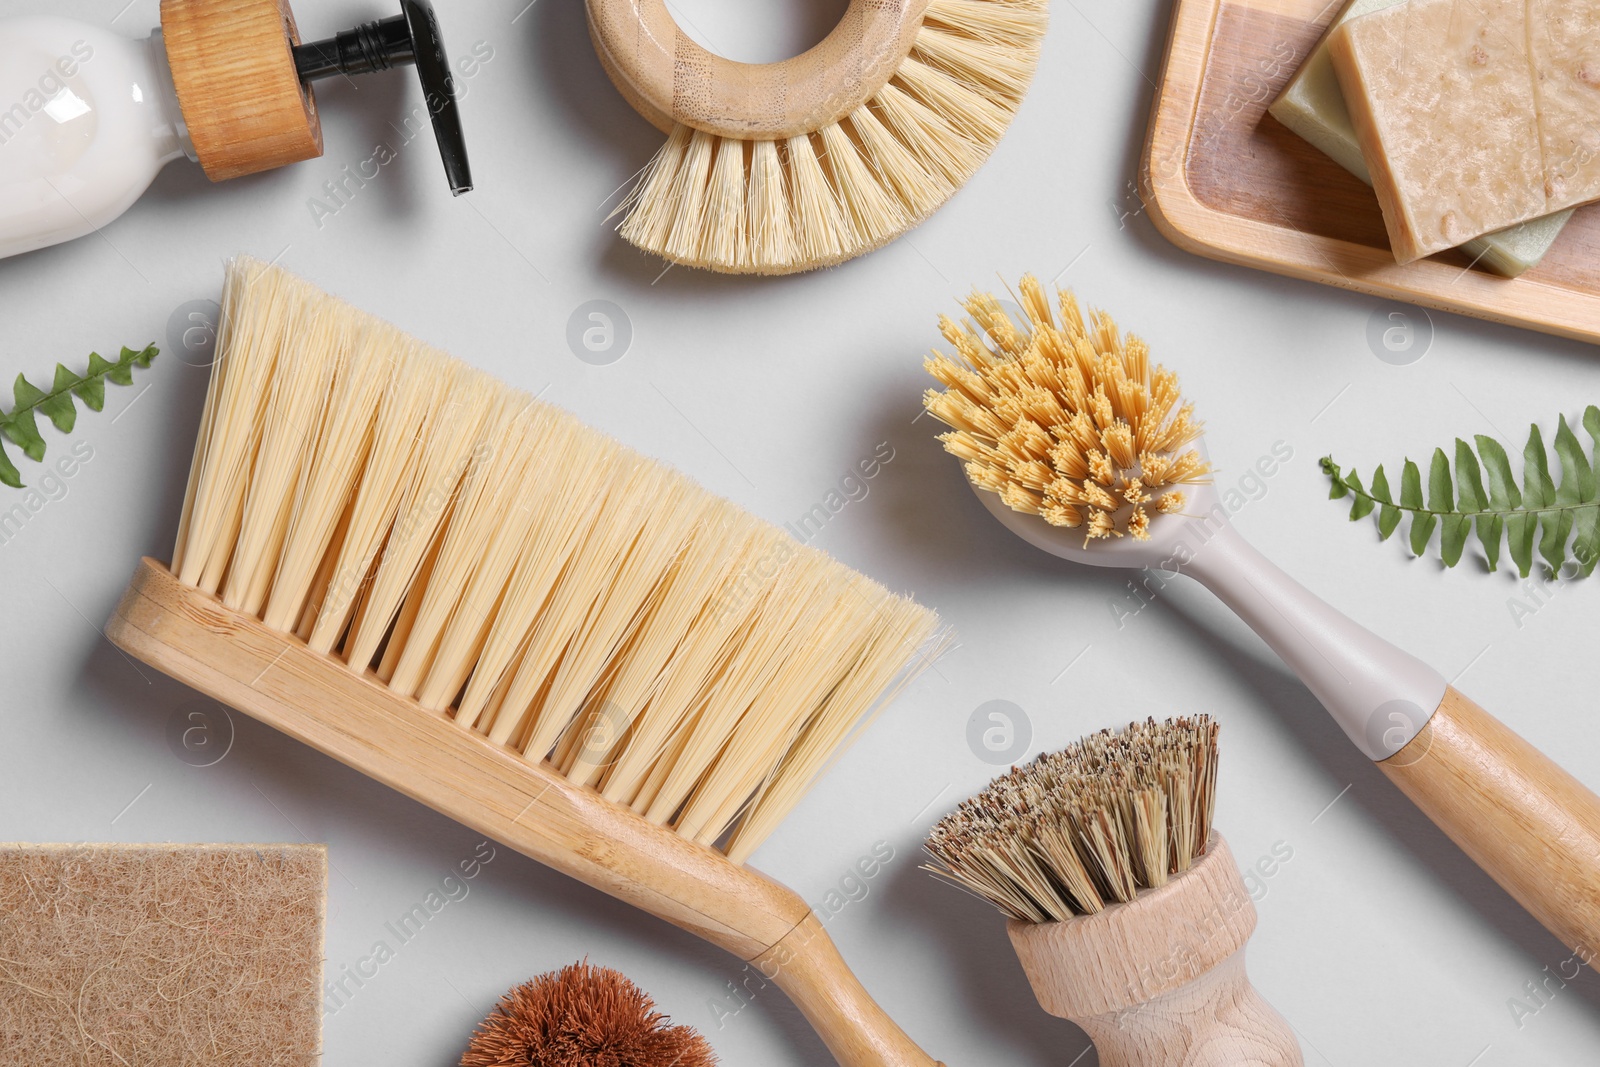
x=56 y=404
x=1479 y=494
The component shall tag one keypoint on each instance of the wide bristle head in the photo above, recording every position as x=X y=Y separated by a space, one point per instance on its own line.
x=1086 y=828
x=1066 y=420
x=488 y=556
x=583 y=1016
x=827 y=194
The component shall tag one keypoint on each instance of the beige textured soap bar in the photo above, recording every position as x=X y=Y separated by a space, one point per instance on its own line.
x=1473 y=115
x=1313 y=107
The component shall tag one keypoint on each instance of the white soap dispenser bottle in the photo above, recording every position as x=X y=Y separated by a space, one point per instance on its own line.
x=89 y=117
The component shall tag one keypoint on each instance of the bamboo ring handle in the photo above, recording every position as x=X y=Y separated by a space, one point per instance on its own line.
x=669 y=78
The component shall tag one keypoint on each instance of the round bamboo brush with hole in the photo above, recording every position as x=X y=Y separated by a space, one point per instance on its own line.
x=471 y=597
x=1082 y=448
x=782 y=167
x=1128 y=913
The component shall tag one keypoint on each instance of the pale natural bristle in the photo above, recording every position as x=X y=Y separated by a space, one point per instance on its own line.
x=1066 y=420
x=489 y=556
x=782 y=208
x=1086 y=828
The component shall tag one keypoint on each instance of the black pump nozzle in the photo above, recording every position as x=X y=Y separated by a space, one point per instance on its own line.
x=409 y=37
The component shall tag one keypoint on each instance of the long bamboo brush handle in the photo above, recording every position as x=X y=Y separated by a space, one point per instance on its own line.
x=276 y=678
x=807 y=966
x=1529 y=824
x=1160 y=981
x=669 y=78
x=1532 y=826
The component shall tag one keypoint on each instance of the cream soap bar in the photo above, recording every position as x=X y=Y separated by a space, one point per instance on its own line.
x=1473 y=115
x=1313 y=107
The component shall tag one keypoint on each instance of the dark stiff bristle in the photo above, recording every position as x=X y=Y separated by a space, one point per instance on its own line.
x=583 y=1016
x=1088 y=827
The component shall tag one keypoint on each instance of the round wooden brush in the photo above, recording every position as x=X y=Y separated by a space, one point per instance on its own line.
x=1128 y=913
x=506 y=615
x=583 y=1016
x=1081 y=447
x=782 y=167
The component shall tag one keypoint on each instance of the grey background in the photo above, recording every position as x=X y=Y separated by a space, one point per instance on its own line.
x=1378 y=940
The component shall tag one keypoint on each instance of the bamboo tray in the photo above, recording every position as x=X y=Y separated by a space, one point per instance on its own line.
x=1224 y=179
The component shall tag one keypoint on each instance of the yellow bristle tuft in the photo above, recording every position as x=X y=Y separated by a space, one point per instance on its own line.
x=553 y=592
x=1077 y=831
x=1077 y=396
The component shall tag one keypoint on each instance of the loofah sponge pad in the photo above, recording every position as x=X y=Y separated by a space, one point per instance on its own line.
x=166 y=955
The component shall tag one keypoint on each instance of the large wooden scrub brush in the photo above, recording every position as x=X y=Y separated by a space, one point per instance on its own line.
x=473 y=598
x=782 y=167
x=1128 y=913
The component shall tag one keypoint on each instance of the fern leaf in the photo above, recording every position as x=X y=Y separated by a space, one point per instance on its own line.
x=1474 y=501
x=1503 y=492
x=1422 y=520
x=92 y=390
x=1336 y=486
x=1539 y=491
x=1479 y=492
x=1586 y=521
x=21 y=426
x=58 y=407
x=1505 y=498
x=1441 y=493
x=1388 y=514
x=1362 y=505
x=1577 y=487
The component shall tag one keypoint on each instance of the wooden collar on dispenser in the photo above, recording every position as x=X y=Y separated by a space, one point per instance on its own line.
x=243 y=80
x=243 y=101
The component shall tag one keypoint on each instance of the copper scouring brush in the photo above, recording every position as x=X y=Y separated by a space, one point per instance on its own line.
x=583 y=1016
x=474 y=598
x=1127 y=911
x=1081 y=447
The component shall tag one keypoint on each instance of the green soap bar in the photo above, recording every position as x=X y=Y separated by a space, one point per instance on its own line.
x=1313 y=107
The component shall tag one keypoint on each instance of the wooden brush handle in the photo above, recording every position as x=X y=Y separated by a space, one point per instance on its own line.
x=352 y=717
x=1532 y=826
x=808 y=967
x=1160 y=981
x=669 y=78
